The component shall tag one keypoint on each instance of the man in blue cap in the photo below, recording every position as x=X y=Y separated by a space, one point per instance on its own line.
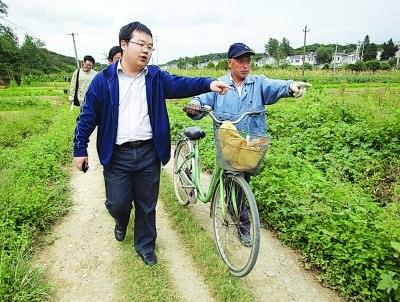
x=247 y=93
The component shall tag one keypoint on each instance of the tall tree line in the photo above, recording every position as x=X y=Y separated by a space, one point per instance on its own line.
x=324 y=53
x=29 y=58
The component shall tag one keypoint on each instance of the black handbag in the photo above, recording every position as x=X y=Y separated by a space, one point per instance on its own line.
x=75 y=100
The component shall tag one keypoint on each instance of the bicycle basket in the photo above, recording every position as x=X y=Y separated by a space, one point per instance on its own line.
x=236 y=153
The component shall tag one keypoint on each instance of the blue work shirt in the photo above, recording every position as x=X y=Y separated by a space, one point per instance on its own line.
x=257 y=91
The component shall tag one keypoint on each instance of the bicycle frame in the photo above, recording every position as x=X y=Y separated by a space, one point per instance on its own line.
x=217 y=175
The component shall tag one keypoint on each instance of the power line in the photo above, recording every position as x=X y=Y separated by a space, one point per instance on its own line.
x=18 y=26
x=59 y=11
x=43 y=12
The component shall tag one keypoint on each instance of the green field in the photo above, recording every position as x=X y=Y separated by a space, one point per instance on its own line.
x=329 y=186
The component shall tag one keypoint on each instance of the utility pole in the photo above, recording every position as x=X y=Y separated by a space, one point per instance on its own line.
x=76 y=54
x=304 y=49
x=334 y=59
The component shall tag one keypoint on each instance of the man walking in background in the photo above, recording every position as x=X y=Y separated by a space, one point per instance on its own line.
x=114 y=54
x=80 y=81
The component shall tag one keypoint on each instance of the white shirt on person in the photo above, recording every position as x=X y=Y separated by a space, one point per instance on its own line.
x=133 y=120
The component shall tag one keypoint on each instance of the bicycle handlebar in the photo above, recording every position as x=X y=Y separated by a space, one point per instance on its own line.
x=208 y=110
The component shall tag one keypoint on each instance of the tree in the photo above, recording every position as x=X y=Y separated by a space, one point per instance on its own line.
x=286 y=49
x=3 y=8
x=370 y=52
x=195 y=61
x=357 y=67
x=272 y=47
x=33 y=59
x=324 y=54
x=9 y=52
x=181 y=63
x=222 y=65
x=278 y=50
x=210 y=65
x=389 y=50
x=373 y=65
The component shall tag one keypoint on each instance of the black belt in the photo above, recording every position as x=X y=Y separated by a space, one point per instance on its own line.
x=135 y=144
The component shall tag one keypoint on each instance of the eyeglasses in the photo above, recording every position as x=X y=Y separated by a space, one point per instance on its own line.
x=143 y=46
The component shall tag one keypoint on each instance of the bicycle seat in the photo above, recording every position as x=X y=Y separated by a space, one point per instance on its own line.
x=194 y=132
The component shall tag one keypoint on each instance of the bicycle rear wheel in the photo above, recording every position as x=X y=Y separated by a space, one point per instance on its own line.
x=236 y=225
x=183 y=173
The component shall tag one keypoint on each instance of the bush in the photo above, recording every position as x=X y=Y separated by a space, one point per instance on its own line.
x=33 y=188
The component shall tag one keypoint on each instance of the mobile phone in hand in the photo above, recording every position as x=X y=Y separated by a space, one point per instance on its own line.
x=85 y=167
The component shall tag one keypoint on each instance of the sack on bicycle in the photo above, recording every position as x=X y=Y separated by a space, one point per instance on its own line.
x=235 y=152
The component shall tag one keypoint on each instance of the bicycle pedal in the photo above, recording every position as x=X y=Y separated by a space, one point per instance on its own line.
x=192 y=197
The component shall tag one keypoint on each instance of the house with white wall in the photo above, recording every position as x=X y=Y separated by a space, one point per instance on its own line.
x=342 y=58
x=266 y=61
x=310 y=58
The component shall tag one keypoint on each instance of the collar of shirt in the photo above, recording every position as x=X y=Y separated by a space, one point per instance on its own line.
x=120 y=69
x=239 y=88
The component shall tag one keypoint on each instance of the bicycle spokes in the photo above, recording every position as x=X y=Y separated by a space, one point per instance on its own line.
x=236 y=225
x=183 y=165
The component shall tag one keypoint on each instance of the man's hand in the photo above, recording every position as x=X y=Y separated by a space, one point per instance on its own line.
x=219 y=86
x=194 y=110
x=298 y=89
x=78 y=162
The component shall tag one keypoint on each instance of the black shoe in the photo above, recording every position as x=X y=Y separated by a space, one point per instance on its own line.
x=119 y=233
x=245 y=239
x=149 y=258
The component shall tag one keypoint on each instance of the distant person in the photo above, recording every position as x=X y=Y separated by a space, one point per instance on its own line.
x=247 y=93
x=114 y=54
x=86 y=75
x=126 y=101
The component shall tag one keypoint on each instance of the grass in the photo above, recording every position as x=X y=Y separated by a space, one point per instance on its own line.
x=35 y=147
x=140 y=282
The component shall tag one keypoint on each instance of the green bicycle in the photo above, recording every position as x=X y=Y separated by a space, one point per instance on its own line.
x=233 y=206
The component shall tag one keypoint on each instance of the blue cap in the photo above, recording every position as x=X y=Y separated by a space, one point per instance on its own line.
x=238 y=49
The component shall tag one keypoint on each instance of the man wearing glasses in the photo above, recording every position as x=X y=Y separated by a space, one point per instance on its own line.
x=85 y=76
x=126 y=101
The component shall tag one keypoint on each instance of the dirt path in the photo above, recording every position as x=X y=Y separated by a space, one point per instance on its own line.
x=80 y=262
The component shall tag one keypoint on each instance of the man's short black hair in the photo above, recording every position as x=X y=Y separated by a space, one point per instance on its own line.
x=89 y=58
x=125 y=34
x=113 y=51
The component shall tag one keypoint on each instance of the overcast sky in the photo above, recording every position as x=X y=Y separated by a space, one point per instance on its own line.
x=184 y=28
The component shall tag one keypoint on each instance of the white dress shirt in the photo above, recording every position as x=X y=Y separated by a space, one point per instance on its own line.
x=133 y=120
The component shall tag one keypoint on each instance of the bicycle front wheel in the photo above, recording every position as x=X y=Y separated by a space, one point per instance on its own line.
x=236 y=225
x=183 y=173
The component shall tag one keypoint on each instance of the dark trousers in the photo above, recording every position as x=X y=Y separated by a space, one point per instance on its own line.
x=134 y=176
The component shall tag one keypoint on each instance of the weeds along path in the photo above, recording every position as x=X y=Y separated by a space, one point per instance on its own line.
x=82 y=261
x=279 y=274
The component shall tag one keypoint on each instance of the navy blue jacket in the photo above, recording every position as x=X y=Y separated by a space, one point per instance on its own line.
x=101 y=103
